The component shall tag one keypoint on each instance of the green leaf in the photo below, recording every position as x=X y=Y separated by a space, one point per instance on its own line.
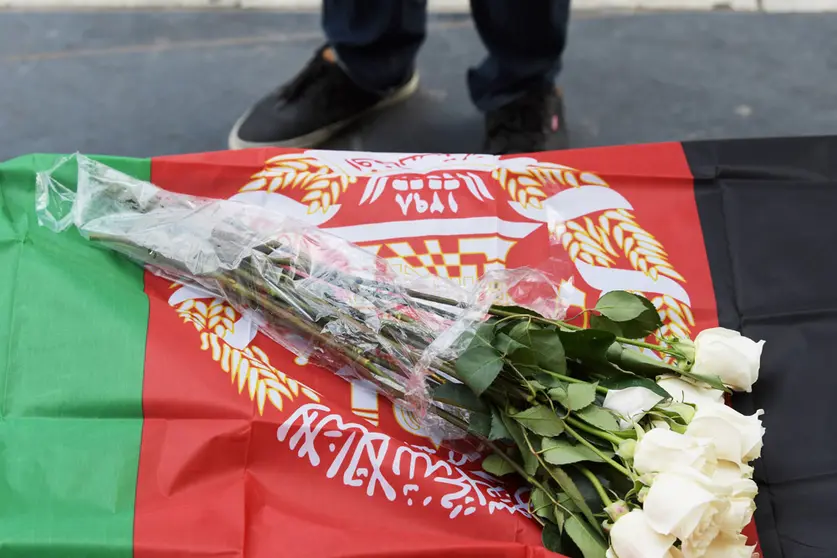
x=521 y=332
x=558 y=451
x=568 y=503
x=624 y=381
x=637 y=361
x=605 y=324
x=496 y=465
x=541 y=420
x=621 y=306
x=587 y=344
x=599 y=417
x=559 y=516
x=484 y=336
x=506 y=344
x=551 y=538
x=459 y=395
x=587 y=541
x=651 y=314
x=539 y=503
x=569 y=487
x=498 y=428
x=524 y=357
x=574 y=396
x=549 y=350
x=637 y=328
x=641 y=363
x=614 y=353
x=530 y=460
x=479 y=367
x=479 y=424
x=559 y=394
x=526 y=362
x=546 y=380
x=580 y=395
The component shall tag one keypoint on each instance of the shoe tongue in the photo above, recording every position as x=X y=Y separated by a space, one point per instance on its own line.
x=329 y=55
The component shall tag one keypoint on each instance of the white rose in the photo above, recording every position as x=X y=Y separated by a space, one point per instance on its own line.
x=687 y=392
x=730 y=472
x=736 y=476
x=737 y=516
x=729 y=355
x=743 y=490
x=660 y=451
x=737 y=437
x=630 y=403
x=728 y=547
x=632 y=537
x=686 y=505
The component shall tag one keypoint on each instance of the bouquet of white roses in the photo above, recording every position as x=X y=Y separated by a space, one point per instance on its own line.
x=695 y=480
x=626 y=444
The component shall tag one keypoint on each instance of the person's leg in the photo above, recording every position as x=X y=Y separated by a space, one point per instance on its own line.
x=368 y=64
x=524 y=40
x=376 y=41
x=514 y=85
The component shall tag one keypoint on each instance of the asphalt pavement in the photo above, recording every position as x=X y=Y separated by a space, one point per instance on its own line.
x=155 y=82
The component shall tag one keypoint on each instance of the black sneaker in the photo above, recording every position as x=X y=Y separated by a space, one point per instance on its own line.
x=313 y=107
x=535 y=122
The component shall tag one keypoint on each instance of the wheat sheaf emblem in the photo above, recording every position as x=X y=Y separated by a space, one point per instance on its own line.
x=248 y=368
x=615 y=236
x=322 y=184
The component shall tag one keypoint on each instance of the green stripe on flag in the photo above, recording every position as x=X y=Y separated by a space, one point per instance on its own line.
x=72 y=344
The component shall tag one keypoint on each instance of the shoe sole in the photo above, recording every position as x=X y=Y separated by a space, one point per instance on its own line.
x=317 y=137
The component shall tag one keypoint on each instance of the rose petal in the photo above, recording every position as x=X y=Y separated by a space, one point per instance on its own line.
x=662 y=450
x=632 y=537
x=630 y=403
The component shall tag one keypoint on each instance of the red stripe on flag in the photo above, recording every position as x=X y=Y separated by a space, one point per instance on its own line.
x=218 y=478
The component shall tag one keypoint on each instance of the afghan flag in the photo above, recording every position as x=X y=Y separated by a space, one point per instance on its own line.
x=143 y=418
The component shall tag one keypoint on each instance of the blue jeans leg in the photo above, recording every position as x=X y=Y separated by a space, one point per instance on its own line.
x=376 y=41
x=525 y=40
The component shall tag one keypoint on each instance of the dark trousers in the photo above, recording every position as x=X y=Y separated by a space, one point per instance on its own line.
x=376 y=41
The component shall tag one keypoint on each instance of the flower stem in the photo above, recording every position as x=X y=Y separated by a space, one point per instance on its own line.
x=498 y=311
x=571 y=380
x=612 y=438
x=598 y=452
x=596 y=484
x=456 y=421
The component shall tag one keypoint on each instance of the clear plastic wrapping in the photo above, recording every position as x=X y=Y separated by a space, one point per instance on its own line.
x=301 y=285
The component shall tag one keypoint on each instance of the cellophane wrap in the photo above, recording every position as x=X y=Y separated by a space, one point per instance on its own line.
x=302 y=286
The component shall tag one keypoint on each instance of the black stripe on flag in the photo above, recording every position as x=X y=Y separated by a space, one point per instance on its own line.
x=768 y=210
